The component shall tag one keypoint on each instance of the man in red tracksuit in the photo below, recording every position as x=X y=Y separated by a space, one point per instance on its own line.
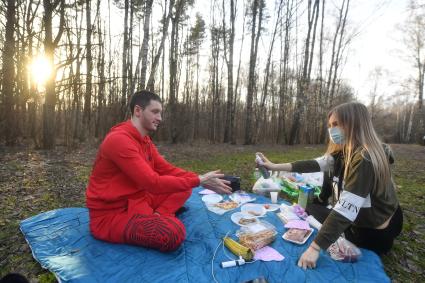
x=133 y=192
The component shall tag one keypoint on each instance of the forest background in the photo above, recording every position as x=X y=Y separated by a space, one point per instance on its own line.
x=239 y=72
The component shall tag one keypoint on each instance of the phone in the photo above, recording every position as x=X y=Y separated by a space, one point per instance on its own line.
x=235 y=182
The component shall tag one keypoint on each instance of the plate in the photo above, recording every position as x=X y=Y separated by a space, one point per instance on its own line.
x=254 y=209
x=212 y=199
x=241 y=198
x=284 y=236
x=237 y=216
x=271 y=206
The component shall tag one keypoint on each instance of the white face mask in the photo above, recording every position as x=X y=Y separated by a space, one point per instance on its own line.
x=336 y=135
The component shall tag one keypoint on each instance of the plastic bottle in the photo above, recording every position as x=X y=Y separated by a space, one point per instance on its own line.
x=305 y=196
x=257 y=174
x=263 y=170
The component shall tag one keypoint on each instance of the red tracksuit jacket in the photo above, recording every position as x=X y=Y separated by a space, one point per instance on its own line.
x=128 y=166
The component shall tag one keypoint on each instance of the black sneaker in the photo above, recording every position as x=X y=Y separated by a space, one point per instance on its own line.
x=181 y=210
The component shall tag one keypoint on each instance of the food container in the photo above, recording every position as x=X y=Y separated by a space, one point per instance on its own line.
x=305 y=196
x=288 y=236
x=256 y=236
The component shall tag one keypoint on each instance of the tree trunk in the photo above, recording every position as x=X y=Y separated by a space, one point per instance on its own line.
x=49 y=47
x=166 y=19
x=144 y=48
x=229 y=125
x=124 y=69
x=303 y=82
x=262 y=109
x=89 y=68
x=8 y=79
x=100 y=127
x=257 y=9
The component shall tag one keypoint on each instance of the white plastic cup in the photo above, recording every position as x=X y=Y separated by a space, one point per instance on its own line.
x=273 y=196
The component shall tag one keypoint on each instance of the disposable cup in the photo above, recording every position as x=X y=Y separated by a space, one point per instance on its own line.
x=273 y=196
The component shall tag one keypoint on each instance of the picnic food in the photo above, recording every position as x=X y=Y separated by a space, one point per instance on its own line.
x=227 y=205
x=257 y=235
x=258 y=240
x=344 y=250
x=296 y=235
x=255 y=213
x=245 y=221
x=238 y=249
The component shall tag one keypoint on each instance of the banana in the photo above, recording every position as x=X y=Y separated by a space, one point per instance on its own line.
x=238 y=249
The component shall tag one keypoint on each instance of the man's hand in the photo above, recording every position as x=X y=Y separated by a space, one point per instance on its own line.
x=309 y=257
x=212 y=181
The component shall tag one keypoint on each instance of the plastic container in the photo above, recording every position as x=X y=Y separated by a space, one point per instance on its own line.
x=257 y=235
x=305 y=195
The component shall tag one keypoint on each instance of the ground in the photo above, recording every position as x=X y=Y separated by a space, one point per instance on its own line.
x=34 y=181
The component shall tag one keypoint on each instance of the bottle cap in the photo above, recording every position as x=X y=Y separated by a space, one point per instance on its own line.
x=306 y=188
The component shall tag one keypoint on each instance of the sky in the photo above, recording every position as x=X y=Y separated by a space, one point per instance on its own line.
x=379 y=44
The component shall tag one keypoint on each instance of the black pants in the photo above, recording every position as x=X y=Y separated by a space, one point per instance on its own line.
x=378 y=240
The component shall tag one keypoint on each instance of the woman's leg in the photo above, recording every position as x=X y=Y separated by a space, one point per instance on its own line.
x=319 y=211
x=377 y=240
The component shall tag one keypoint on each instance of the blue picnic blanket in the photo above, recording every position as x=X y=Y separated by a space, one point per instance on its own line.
x=60 y=241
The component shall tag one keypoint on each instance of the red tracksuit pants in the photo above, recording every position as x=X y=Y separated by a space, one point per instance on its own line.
x=138 y=224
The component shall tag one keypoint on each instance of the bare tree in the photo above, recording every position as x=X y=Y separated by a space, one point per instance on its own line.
x=50 y=45
x=303 y=82
x=166 y=20
x=230 y=115
x=89 y=68
x=257 y=11
x=8 y=78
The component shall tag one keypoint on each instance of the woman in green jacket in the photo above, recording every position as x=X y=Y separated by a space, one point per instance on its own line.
x=366 y=208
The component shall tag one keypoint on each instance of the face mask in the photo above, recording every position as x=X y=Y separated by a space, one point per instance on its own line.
x=336 y=135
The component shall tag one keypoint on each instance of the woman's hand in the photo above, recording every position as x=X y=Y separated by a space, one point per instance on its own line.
x=309 y=258
x=266 y=162
x=212 y=181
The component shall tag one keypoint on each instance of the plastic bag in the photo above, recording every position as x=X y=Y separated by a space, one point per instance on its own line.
x=287 y=213
x=256 y=236
x=263 y=186
x=345 y=251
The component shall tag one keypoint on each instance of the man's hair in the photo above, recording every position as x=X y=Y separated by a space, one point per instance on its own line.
x=142 y=98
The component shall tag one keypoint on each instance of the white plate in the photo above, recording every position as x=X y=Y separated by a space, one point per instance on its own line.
x=212 y=199
x=241 y=198
x=254 y=209
x=239 y=215
x=284 y=236
x=271 y=206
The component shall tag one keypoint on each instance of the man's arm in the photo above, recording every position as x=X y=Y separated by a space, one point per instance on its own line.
x=123 y=151
x=163 y=167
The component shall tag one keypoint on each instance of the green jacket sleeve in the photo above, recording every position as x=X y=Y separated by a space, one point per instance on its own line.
x=357 y=186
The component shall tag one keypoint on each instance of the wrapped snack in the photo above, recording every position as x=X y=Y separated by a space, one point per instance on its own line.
x=287 y=213
x=258 y=235
x=345 y=251
x=297 y=236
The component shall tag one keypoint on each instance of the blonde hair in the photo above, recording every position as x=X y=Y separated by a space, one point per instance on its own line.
x=354 y=120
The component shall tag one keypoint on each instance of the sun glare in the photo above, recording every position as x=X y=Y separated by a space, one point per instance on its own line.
x=40 y=69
